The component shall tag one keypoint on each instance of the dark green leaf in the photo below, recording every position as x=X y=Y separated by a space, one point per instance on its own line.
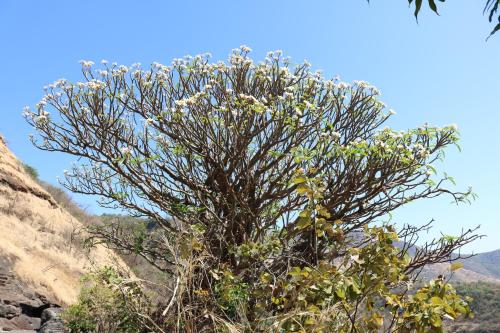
x=433 y=6
x=418 y=5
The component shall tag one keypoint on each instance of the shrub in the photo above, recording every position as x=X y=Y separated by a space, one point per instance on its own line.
x=31 y=171
x=108 y=303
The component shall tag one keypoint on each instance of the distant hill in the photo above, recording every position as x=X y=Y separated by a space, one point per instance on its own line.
x=487 y=263
x=485 y=305
x=483 y=267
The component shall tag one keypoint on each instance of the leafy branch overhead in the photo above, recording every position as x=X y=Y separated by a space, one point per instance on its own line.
x=490 y=8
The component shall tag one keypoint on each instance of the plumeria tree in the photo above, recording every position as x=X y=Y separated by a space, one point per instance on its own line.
x=271 y=189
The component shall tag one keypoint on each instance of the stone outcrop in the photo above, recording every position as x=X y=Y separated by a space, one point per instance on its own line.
x=23 y=310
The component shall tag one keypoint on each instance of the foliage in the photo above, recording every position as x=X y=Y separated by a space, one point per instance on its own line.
x=31 y=171
x=270 y=189
x=105 y=305
x=485 y=305
x=491 y=7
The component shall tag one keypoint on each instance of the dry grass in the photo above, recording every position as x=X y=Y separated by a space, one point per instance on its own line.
x=43 y=239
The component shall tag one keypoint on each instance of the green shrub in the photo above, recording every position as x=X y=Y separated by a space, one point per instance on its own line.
x=107 y=303
x=31 y=171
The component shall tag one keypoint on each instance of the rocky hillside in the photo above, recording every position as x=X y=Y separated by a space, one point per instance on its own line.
x=487 y=264
x=22 y=309
x=41 y=257
x=483 y=267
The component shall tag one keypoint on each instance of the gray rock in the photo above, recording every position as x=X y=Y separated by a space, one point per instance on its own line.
x=52 y=322
x=24 y=310
x=9 y=311
x=55 y=325
x=51 y=313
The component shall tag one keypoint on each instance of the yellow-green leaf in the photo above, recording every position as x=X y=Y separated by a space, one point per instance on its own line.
x=455 y=266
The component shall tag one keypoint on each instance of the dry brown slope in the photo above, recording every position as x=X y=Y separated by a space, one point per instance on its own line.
x=38 y=237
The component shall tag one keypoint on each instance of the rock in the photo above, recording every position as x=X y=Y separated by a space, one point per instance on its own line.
x=53 y=326
x=9 y=311
x=24 y=310
x=51 y=313
x=21 y=322
x=52 y=322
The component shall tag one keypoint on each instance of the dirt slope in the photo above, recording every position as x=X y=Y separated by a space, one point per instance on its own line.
x=38 y=238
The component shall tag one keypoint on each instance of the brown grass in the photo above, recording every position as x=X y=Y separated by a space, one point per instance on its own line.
x=44 y=240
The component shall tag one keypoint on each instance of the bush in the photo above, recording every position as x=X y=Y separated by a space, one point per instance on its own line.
x=108 y=303
x=31 y=171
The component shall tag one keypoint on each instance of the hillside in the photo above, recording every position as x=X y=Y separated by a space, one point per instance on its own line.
x=39 y=240
x=485 y=305
x=487 y=263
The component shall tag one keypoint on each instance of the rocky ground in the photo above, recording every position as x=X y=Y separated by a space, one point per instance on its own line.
x=23 y=310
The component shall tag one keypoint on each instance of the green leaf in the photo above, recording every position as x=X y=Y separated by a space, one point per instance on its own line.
x=433 y=6
x=299 y=180
x=303 y=222
x=418 y=5
x=340 y=292
x=455 y=266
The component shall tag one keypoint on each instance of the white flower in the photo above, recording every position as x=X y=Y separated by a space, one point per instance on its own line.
x=181 y=103
x=86 y=63
x=342 y=85
x=40 y=105
x=245 y=48
x=123 y=69
x=96 y=84
x=137 y=73
x=392 y=112
x=335 y=135
x=26 y=111
x=309 y=105
x=125 y=150
x=361 y=84
x=149 y=121
x=41 y=119
x=208 y=86
x=454 y=127
x=104 y=62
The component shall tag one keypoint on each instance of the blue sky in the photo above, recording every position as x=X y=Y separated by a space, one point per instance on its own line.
x=440 y=70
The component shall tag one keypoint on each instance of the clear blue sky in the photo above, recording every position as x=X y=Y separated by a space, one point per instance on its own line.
x=439 y=71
